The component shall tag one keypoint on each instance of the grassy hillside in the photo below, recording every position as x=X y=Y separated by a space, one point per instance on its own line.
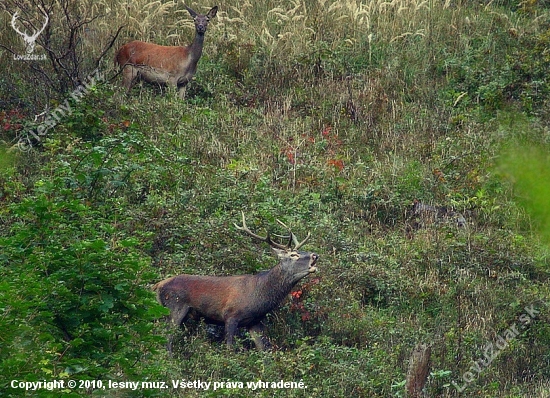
x=335 y=117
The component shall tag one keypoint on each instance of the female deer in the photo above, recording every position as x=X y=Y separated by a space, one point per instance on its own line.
x=169 y=65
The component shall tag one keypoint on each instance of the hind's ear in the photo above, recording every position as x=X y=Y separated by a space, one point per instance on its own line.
x=193 y=13
x=212 y=13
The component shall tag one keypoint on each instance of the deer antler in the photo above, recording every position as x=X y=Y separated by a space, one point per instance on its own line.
x=291 y=238
x=267 y=239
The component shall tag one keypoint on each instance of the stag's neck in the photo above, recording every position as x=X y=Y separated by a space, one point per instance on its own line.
x=275 y=285
x=195 y=49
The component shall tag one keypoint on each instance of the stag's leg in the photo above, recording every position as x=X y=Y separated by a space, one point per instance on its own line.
x=257 y=333
x=231 y=326
x=177 y=315
x=170 y=344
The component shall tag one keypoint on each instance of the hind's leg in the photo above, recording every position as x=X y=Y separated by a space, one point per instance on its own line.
x=181 y=92
x=130 y=76
x=180 y=86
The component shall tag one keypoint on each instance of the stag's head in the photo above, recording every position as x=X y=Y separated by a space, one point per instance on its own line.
x=201 y=21
x=293 y=262
x=297 y=263
x=30 y=40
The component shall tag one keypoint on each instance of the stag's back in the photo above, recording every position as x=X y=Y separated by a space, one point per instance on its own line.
x=212 y=296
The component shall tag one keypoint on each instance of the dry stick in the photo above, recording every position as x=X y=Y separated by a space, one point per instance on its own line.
x=419 y=369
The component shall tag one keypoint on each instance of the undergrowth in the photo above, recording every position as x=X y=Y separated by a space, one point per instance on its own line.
x=334 y=117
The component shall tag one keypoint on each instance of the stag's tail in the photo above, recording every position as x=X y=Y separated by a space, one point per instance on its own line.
x=157 y=288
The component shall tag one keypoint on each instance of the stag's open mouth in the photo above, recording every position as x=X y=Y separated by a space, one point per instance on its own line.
x=312 y=267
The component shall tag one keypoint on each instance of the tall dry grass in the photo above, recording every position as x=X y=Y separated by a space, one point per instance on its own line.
x=336 y=114
x=283 y=27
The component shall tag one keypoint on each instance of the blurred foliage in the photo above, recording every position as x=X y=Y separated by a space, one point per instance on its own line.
x=527 y=166
x=332 y=116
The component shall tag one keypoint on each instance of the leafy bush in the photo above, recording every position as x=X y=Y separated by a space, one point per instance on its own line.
x=331 y=116
x=75 y=296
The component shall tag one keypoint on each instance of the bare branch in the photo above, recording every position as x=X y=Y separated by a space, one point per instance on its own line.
x=110 y=45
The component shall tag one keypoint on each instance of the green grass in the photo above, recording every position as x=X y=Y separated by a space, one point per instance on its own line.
x=330 y=116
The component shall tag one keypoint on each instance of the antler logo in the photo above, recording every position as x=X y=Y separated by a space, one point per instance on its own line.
x=30 y=40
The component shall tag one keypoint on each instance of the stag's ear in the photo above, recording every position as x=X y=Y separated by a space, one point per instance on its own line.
x=279 y=252
x=212 y=13
x=193 y=13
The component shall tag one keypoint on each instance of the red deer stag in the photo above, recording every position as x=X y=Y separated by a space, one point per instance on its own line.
x=167 y=65
x=238 y=301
